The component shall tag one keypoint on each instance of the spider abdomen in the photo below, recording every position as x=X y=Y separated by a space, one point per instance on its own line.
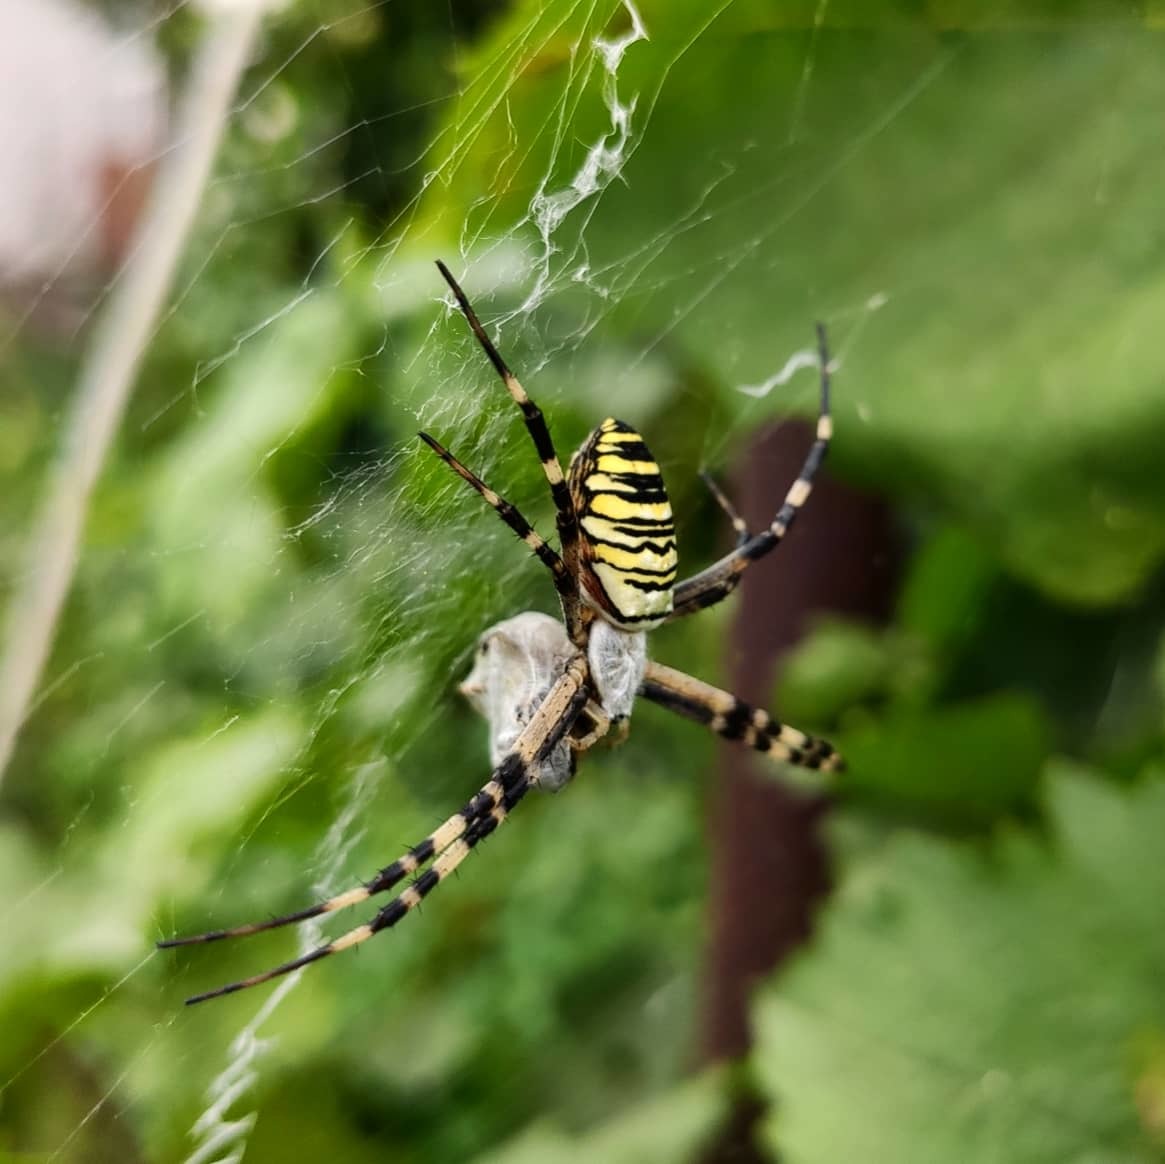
x=627 y=538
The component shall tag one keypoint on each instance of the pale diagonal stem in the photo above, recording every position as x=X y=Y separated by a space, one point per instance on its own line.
x=119 y=340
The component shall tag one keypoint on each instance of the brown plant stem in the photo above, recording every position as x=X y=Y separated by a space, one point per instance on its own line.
x=769 y=870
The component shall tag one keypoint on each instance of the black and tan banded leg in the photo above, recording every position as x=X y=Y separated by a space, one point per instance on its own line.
x=721 y=498
x=488 y=797
x=447 y=847
x=512 y=516
x=733 y=719
x=565 y=519
x=718 y=581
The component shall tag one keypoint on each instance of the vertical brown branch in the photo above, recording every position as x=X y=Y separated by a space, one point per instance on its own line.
x=769 y=869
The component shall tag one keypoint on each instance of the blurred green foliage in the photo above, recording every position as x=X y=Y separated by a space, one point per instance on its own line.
x=253 y=689
x=1039 y=963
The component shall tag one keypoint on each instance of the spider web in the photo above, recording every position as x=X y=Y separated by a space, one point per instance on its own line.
x=597 y=117
x=365 y=583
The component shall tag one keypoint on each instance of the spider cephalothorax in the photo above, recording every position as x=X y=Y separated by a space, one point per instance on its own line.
x=550 y=690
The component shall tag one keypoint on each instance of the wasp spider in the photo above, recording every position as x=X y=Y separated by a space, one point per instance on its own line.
x=549 y=689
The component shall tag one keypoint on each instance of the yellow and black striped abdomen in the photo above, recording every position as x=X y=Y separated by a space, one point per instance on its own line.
x=627 y=536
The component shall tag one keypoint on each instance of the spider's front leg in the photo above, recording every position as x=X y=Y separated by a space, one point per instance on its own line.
x=446 y=848
x=592 y=725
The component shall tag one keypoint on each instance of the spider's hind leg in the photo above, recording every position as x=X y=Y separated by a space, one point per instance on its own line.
x=512 y=516
x=730 y=511
x=719 y=580
x=565 y=518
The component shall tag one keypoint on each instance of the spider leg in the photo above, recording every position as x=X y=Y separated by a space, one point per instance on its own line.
x=733 y=719
x=598 y=725
x=565 y=517
x=719 y=580
x=547 y=726
x=512 y=516
x=487 y=798
x=396 y=909
x=730 y=511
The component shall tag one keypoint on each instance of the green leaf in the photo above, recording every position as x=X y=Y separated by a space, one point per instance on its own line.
x=212 y=511
x=965 y=763
x=668 y=1128
x=993 y=284
x=982 y=1007
x=841 y=664
x=949 y=581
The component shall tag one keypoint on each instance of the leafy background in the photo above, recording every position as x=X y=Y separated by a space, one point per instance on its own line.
x=253 y=689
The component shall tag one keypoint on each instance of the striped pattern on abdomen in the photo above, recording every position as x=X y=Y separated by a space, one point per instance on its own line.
x=627 y=534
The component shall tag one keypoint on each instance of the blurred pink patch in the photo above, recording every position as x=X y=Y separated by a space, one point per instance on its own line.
x=82 y=118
